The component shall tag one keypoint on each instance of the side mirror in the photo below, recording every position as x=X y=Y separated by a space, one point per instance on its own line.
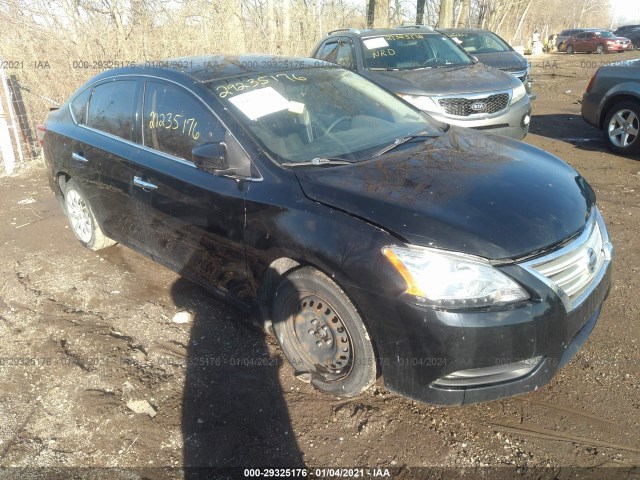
x=475 y=59
x=210 y=157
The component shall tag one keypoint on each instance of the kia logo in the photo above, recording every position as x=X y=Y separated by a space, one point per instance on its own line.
x=478 y=106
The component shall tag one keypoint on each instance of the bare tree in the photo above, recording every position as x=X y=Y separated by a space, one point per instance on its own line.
x=446 y=14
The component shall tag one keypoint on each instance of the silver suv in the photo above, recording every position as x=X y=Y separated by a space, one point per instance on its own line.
x=430 y=71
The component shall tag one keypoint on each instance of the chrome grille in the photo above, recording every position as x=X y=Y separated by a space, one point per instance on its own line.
x=461 y=107
x=574 y=268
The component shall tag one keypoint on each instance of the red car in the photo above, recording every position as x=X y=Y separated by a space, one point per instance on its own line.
x=599 y=41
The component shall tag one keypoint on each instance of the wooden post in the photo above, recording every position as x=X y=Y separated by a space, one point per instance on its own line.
x=11 y=121
x=23 y=122
x=6 y=149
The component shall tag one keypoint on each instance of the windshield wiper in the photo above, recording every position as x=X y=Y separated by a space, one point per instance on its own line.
x=402 y=140
x=318 y=161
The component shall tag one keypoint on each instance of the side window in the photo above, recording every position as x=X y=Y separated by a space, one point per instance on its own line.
x=345 y=55
x=111 y=107
x=79 y=105
x=328 y=52
x=175 y=121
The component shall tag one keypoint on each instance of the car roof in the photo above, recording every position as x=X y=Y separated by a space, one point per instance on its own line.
x=207 y=68
x=465 y=30
x=590 y=29
x=371 y=32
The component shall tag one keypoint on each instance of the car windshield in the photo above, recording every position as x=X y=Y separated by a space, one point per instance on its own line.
x=318 y=113
x=480 y=42
x=411 y=51
x=605 y=34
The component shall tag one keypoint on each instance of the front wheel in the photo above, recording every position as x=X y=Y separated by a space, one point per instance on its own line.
x=570 y=49
x=322 y=334
x=600 y=49
x=621 y=127
x=83 y=222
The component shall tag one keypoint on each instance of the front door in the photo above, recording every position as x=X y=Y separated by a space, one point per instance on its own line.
x=194 y=220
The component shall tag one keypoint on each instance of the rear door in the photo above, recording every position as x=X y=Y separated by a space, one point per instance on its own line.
x=193 y=220
x=590 y=42
x=101 y=151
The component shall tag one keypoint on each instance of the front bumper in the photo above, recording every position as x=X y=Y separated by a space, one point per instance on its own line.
x=424 y=351
x=591 y=108
x=618 y=48
x=511 y=122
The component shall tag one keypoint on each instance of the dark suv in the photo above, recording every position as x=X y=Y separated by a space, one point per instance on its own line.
x=463 y=267
x=430 y=71
x=492 y=50
x=632 y=32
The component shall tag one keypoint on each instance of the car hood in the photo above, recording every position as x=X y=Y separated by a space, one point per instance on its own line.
x=473 y=78
x=511 y=61
x=464 y=191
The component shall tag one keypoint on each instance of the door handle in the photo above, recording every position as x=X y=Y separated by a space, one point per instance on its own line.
x=78 y=157
x=138 y=182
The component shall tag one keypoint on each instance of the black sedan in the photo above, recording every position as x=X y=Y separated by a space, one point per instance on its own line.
x=463 y=267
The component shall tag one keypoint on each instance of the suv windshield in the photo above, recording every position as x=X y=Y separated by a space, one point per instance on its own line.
x=307 y=114
x=410 y=51
x=480 y=42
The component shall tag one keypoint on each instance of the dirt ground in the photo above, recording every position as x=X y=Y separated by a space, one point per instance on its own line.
x=84 y=336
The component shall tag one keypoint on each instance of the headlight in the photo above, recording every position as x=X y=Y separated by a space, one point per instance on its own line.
x=518 y=93
x=422 y=102
x=451 y=280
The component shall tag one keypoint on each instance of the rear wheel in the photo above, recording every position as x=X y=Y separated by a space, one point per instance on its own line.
x=570 y=49
x=621 y=128
x=322 y=334
x=83 y=222
x=600 y=48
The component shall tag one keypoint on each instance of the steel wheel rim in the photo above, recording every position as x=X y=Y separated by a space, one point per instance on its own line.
x=323 y=339
x=79 y=216
x=623 y=128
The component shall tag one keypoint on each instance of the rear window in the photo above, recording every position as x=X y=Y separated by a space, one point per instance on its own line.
x=79 y=105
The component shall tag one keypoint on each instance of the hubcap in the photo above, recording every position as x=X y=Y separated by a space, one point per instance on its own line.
x=323 y=337
x=623 y=128
x=79 y=216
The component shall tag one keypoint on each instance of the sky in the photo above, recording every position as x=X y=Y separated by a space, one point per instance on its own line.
x=626 y=11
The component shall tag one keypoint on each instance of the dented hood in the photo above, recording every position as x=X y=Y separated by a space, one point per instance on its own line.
x=462 y=79
x=464 y=191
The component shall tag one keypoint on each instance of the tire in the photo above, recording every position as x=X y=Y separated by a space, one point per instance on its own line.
x=322 y=334
x=82 y=220
x=600 y=49
x=570 y=49
x=621 y=128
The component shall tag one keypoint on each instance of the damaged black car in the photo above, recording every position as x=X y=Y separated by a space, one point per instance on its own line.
x=377 y=242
